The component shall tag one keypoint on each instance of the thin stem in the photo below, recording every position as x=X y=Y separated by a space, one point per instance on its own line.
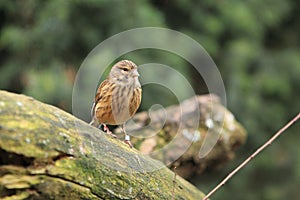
x=252 y=156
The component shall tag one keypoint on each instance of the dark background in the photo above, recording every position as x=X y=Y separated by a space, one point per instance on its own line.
x=254 y=43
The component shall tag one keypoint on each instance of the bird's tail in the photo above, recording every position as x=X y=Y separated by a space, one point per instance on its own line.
x=94 y=123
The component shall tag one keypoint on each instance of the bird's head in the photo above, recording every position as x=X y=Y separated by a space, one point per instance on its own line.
x=124 y=71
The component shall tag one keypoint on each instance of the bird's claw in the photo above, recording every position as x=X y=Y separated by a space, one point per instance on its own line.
x=129 y=143
x=108 y=132
x=127 y=140
x=111 y=134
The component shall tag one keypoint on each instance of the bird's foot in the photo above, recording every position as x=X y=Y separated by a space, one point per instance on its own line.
x=108 y=132
x=127 y=141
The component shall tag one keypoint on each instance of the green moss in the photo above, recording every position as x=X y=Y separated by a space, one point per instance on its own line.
x=19 y=195
x=67 y=154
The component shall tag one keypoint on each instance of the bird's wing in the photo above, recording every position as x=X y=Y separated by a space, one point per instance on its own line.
x=98 y=96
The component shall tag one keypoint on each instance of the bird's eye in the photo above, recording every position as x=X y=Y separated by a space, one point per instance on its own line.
x=125 y=69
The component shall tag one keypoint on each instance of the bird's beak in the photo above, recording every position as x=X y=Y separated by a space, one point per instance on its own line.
x=136 y=73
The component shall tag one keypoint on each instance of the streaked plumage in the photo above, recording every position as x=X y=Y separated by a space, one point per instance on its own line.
x=118 y=97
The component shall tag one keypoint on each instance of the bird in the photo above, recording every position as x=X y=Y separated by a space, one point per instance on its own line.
x=117 y=98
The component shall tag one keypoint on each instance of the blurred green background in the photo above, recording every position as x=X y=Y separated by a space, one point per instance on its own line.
x=255 y=44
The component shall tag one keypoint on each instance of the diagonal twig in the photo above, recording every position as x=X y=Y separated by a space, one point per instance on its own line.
x=252 y=156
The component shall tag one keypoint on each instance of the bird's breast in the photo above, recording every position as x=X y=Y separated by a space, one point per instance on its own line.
x=121 y=103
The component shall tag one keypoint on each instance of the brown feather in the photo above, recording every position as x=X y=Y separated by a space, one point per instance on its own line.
x=115 y=103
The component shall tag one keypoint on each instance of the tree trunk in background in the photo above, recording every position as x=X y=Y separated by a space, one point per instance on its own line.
x=216 y=126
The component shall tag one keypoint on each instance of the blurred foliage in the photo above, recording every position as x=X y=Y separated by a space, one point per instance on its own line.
x=255 y=44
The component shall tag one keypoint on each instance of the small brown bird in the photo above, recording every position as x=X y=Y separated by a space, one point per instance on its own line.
x=118 y=97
